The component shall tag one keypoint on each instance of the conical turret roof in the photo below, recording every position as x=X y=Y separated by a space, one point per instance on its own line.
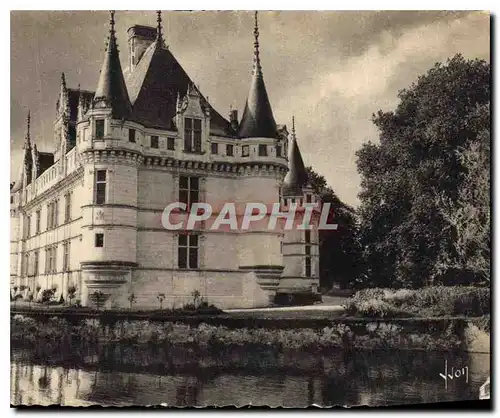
x=111 y=88
x=26 y=158
x=297 y=177
x=258 y=119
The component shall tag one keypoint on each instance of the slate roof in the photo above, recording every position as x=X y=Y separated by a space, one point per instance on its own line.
x=46 y=160
x=73 y=98
x=153 y=87
x=111 y=87
x=297 y=177
x=258 y=119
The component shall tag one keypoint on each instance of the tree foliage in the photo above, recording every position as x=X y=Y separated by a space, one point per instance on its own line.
x=404 y=231
x=340 y=251
x=469 y=217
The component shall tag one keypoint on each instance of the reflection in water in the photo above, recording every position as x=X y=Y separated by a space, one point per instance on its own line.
x=127 y=376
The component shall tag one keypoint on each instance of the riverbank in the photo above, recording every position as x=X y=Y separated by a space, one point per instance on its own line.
x=224 y=331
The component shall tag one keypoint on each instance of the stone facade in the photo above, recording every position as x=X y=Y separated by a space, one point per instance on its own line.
x=93 y=219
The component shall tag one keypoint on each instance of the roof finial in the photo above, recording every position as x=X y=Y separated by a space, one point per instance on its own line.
x=28 y=134
x=256 y=66
x=159 y=35
x=112 y=23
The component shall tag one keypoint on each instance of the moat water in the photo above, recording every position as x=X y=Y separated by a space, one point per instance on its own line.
x=124 y=376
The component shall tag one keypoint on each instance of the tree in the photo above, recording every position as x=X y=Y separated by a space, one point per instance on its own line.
x=469 y=218
x=404 y=232
x=340 y=252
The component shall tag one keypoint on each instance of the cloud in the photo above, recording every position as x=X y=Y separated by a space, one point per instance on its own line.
x=335 y=107
x=332 y=70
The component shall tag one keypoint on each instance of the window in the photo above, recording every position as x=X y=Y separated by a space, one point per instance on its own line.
x=131 y=135
x=67 y=205
x=229 y=150
x=262 y=150
x=100 y=187
x=189 y=190
x=35 y=264
x=55 y=222
x=308 y=198
x=49 y=215
x=215 y=148
x=99 y=240
x=54 y=259
x=99 y=128
x=50 y=259
x=28 y=226
x=192 y=135
x=245 y=151
x=52 y=214
x=308 y=267
x=11 y=199
x=171 y=144
x=154 y=141
x=24 y=267
x=66 y=248
x=29 y=267
x=278 y=150
x=38 y=214
x=308 y=253
x=188 y=251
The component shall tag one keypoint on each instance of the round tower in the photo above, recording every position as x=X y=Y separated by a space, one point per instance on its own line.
x=300 y=277
x=109 y=148
x=263 y=166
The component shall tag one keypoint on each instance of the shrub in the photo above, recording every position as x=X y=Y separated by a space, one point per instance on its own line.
x=47 y=295
x=71 y=293
x=426 y=302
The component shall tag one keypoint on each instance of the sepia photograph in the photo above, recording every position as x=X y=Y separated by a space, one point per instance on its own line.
x=250 y=208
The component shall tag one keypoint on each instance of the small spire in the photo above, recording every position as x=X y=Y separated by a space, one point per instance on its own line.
x=111 y=88
x=112 y=23
x=159 y=35
x=296 y=177
x=63 y=81
x=258 y=119
x=256 y=60
x=28 y=134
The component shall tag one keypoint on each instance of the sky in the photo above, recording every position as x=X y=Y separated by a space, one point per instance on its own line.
x=331 y=70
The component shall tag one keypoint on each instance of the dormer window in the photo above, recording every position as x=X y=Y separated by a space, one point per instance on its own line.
x=192 y=135
x=99 y=128
x=131 y=135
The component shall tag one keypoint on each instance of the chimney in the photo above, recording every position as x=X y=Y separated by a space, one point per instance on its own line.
x=139 y=38
x=233 y=118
